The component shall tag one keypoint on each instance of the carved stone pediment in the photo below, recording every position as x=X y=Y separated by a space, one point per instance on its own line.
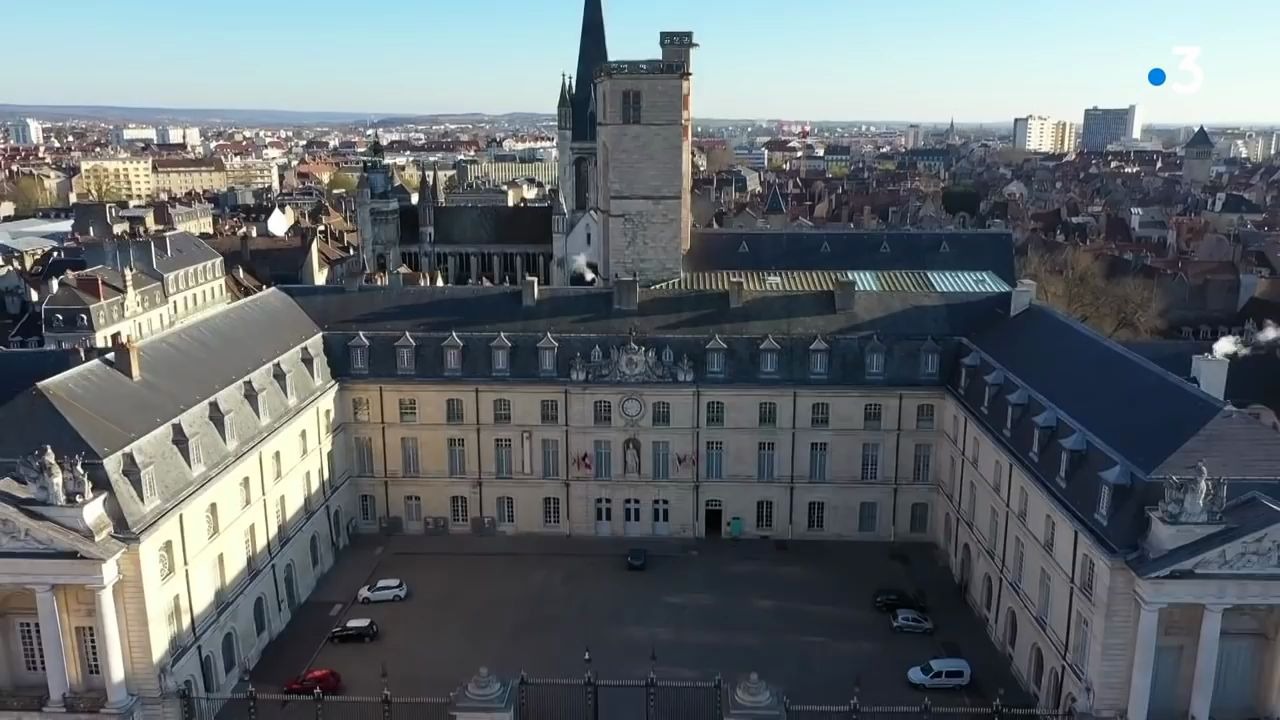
x=1257 y=554
x=18 y=537
x=630 y=363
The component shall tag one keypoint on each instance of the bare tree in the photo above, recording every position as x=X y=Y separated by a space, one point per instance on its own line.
x=28 y=194
x=1076 y=282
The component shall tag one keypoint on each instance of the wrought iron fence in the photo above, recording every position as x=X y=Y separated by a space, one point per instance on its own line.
x=583 y=698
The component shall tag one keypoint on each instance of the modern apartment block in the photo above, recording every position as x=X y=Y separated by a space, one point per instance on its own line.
x=1038 y=133
x=1106 y=126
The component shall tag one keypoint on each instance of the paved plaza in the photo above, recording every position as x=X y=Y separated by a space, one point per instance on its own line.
x=799 y=616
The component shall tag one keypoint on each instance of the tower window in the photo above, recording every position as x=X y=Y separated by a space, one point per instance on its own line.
x=631 y=107
x=581 y=181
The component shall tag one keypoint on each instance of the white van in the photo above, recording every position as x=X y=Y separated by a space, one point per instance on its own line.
x=940 y=673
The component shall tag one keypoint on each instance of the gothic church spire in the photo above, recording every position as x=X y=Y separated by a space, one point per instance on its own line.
x=592 y=53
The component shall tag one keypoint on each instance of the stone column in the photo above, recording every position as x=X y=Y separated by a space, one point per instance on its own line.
x=754 y=699
x=55 y=657
x=520 y=268
x=484 y=698
x=112 y=655
x=1144 y=656
x=475 y=268
x=497 y=268
x=1206 y=662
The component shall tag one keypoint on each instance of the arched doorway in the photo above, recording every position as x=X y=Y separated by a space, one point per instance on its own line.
x=713 y=518
x=260 y=627
x=230 y=653
x=987 y=594
x=1069 y=702
x=315 y=550
x=1051 y=692
x=1036 y=670
x=290 y=588
x=966 y=566
x=1010 y=630
x=581 y=182
x=338 y=539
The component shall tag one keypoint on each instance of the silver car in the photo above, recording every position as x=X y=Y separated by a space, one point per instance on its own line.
x=912 y=621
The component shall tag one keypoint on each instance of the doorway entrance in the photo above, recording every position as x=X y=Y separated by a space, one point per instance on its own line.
x=713 y=519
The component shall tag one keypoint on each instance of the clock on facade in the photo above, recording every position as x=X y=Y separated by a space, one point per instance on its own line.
x=632 y=407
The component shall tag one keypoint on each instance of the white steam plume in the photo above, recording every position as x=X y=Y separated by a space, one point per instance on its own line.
x=580 y=266
x=1229 y=346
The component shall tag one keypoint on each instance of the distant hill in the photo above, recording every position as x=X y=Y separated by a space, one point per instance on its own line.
x=218 y=116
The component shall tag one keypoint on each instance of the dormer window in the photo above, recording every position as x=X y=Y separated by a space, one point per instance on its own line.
x=141 y=476
x=715 y=356
x=547 y=348
x=1016 y=402
x=359 y=349
x=308 y=362
x=668 y=357
x=967 y=366
x=452 y=355
x=874 y=359
x=1104 y=502
x=189 y=447
x=596 y=354
x=993 y=380
x=1044 y=423
x=1071 y=445
x=1117 y=475
x=222 y=423
x=285 y=380
x=769 y=356
x=82 y=321
x=256 y=401
x=406 y=355
x=500 y=355
x=819 y=358
x=930 y=359
x=57 y=320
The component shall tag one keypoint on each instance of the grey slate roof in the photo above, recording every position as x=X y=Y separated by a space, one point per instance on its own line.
x=493 y=225
x=722 y=249
x=1200 y=139
x=1251 y=508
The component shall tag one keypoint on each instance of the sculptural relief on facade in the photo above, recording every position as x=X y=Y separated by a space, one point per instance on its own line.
x=1260 y=553
x=631 y=363
x=1196 y=499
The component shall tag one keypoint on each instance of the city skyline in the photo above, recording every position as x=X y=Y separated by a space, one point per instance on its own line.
x=987 y=63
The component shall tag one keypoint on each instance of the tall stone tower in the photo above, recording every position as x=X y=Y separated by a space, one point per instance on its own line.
x=378 y=217
x=644 y=131
x=1197 y=159
x=429 y=198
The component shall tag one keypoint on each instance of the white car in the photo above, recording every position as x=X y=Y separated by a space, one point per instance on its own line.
x=944 y=673
x=383 y=590
x=911 y=621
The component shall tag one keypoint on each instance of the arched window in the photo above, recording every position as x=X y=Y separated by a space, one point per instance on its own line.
x=211 y=520
x=986 y=594
x=581 y=182
x=229 y=654
x=166 y=559
x=260 y=616
x=206 y=674
x=1010 y=630
x=315 y=551
x=1037 y=669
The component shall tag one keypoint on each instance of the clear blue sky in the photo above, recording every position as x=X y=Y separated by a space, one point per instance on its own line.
x=925 y=60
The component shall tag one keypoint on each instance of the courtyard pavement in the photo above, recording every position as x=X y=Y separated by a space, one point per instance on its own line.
x=801 y=616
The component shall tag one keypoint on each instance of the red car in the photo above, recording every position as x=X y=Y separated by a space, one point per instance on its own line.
x=329 y=682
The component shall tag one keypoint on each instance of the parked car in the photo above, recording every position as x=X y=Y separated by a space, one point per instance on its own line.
x=383 y=590
x=355 y=630
x=328 y=681
x=913 y=621
x=890 y=599
x=942 y=673
x=637 y=558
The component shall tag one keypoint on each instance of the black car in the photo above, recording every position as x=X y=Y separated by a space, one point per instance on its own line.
x=637 y=558
x=355 y=630
x=889 y=600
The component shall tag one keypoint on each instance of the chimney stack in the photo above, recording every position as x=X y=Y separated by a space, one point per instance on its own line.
x=244 y=248
x=1210 y=373
x=844 y=294
x=126 y=356
x=737 y=289
x=626 y=293
x=529 y=291
x=1022 y=297
x=91 y=284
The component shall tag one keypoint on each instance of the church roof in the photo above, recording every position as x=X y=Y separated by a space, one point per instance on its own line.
x=592 y=53
x=1200 y=140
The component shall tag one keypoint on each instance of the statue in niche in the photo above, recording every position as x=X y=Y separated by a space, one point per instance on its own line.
x=631 y=457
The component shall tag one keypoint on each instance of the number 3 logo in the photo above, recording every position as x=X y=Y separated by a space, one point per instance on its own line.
x=1190 y=55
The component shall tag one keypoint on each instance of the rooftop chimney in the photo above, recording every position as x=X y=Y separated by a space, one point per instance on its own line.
x=529 y=291
x=737 y=289
x=844 y=293
x=90 y=284
x=626 y=293
x=1210 y=373
x=245 y=250
x=1022 y=297
x=126 y=356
